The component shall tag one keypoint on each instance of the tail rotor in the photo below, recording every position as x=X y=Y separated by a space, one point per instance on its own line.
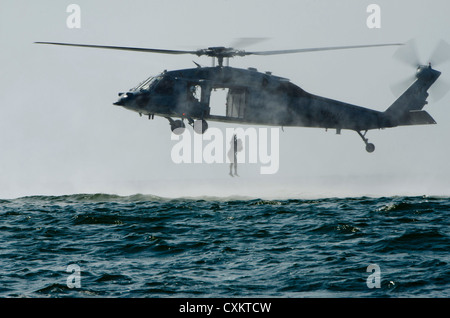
x=408 y=54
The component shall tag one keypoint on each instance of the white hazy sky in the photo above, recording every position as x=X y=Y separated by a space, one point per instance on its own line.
x=60 y=133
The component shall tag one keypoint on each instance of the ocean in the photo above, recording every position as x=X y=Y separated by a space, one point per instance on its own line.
x=144 y=246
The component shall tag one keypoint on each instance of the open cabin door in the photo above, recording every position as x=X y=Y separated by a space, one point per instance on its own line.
x=236 y=102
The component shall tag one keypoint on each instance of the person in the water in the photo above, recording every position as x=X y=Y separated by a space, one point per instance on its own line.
x=235 y=147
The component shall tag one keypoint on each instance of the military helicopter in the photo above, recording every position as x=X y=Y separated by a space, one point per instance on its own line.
x=257 y=98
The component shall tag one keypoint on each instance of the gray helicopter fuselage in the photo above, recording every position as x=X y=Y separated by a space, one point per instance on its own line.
x=253 y=98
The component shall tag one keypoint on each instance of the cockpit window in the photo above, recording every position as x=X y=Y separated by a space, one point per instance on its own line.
x=147 y=84
x=165 y=86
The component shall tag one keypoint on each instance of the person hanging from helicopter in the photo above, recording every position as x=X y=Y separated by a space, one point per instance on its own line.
x=235 y=147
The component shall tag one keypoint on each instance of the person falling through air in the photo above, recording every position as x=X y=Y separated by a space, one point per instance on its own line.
x=235 y=147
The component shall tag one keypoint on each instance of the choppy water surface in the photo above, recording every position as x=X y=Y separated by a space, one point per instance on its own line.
x=146 y=246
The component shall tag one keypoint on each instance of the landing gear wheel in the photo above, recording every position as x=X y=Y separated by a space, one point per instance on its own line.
x=200 y=126
x=177 y=127
x=370 y=147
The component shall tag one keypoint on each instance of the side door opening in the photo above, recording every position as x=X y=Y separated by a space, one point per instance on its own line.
x=236 y=102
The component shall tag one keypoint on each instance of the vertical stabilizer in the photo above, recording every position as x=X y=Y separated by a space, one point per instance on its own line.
x=407 y=109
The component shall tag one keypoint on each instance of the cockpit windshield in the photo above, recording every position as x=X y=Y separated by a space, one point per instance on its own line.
x=147 y=84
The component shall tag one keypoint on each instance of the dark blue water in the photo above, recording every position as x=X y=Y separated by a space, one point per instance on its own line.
x=146 y=246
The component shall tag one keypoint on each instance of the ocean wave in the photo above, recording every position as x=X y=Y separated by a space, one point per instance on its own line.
x=391 y=203
x=144 y=245
x=91 y=197
x=105 y=197
x=414 y=240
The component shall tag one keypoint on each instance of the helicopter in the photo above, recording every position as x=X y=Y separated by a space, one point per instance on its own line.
x=257 y=98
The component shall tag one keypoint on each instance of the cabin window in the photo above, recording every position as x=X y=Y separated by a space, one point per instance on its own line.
x=218 y=101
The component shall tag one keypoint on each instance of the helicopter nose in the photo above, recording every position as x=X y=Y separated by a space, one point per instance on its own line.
x=123 y=98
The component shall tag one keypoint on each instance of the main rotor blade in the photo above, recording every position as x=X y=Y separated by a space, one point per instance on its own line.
x=319 y=49
x=213 y=51
x=241 y=43
x=123 y=48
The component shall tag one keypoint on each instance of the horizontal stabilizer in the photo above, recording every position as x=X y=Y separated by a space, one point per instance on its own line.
x=419 y=117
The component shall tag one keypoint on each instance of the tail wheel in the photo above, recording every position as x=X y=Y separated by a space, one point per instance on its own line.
x=370 y=147
x=200 y=126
